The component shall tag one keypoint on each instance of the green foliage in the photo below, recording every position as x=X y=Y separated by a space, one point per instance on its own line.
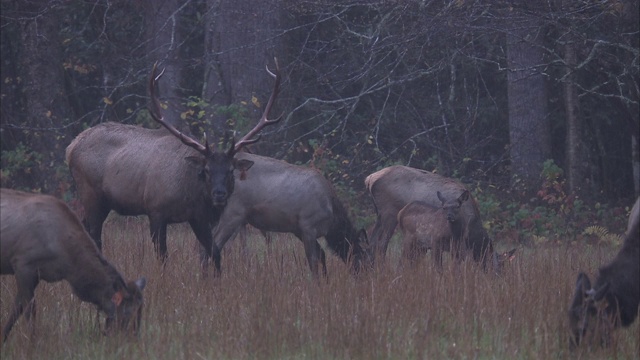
x=200 y=115
x=18 y=163
x=236 y=116
x=552 y=214
x=603 y=235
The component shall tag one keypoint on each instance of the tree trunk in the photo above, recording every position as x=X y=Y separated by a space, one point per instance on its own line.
x=529 y=130
x=239 y=43
x=635 y=163
x=164 y=39
x=575 y=149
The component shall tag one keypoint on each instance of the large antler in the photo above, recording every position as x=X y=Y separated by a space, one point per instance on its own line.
x=156 y=114
x=251 y=137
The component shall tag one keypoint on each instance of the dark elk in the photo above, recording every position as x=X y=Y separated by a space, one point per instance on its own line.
x=614 y=298
x=394 y=187
x=425 y=227
x=280 y=197
x=42 y=239
x=163 y=173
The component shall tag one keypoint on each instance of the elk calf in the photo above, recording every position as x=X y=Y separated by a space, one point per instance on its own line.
x=427 y=227
x=42 y=239
x=394 y=187
x=614 y=298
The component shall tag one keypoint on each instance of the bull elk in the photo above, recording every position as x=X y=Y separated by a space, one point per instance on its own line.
x=42 y=239
x=280 y=197
x=425 y=227
x=394 y=187
x=166 y=175
x=614 y=298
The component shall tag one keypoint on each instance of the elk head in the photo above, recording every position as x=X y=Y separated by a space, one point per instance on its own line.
x=452 y=208
x=590 y=318
x=126 y=312
x=214 y=167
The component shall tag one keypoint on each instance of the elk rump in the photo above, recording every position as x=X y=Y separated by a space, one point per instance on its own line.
x=42 y=239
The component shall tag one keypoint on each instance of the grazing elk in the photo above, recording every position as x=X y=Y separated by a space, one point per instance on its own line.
x=137 y=171
x=394 y=187
x=280 y=197
x=425 y=227
x=614 y=298
x=42 y=239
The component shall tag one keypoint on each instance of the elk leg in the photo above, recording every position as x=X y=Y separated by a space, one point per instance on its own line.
x=382 y=232
x=437 y=255
x=315 y=255
x=93 y=222
x=222 y=233
x=202 y=230
x=411 y=251
x=159 y=237
x=242 y=237
x=24 y=299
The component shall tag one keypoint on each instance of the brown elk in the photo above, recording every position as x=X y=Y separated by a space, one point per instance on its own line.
x=425 y=227
x=42 y=239
x=137 y=171
x=614 y=299
x=280 y=197
x=394 y=187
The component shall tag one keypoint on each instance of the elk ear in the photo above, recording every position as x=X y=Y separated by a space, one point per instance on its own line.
x=198 y=161
x=117 y=298
x=141 y=283
x=362 y=235
x=463 y=197
x=583 y=284
x=243 y=165
x=509 y=255
x=600 y=292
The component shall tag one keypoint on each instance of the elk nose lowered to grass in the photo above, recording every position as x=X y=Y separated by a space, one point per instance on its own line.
x=614 y=298
x=42 y=239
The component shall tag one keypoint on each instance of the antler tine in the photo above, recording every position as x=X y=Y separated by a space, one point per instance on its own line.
x=156 y=114
x=250 y=137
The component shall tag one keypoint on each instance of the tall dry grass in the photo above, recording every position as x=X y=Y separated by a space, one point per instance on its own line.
x=267 y=306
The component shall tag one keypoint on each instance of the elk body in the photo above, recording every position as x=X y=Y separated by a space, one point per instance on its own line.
x=161 y=173
x=614 y=298
x=42 y=239
x=394 y=187
x=280 y=197
x=427 y=227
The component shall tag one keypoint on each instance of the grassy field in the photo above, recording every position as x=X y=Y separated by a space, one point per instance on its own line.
x=267 y=306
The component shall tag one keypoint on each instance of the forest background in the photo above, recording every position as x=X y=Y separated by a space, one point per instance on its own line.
x=533 y=105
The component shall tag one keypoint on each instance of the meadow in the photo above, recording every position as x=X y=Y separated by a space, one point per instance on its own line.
x=266 y=305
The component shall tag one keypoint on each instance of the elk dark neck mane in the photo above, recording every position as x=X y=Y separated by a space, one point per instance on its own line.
x=342 y=237
x=623 y=298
